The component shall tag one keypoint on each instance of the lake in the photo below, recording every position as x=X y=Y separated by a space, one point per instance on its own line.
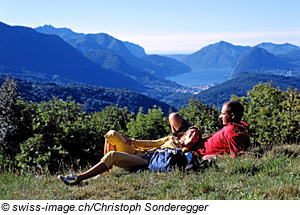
x=202 y=76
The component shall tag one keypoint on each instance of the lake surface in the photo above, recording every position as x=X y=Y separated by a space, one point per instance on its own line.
x=202 y=76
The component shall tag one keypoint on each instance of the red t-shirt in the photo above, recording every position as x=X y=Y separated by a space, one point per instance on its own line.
x=232 y=139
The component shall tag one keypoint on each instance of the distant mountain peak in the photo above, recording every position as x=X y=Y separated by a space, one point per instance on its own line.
x=278 y=49
x=51 y=27
x=218 y=55
x=62 y=32
x=222 y=42
x=274 y=44
x=259 y=60
x=47 y=26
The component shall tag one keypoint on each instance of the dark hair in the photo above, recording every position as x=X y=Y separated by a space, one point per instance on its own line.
x=235 y=107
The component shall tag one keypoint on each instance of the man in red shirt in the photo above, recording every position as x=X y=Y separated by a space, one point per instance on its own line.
x=232 y=139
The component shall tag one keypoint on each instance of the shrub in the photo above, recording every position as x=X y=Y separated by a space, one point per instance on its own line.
x=273 y=114
x=112 y=117
x=57 y=127
x=65 y=135
x=15 y=123
x=202 y=115
x=149 y=126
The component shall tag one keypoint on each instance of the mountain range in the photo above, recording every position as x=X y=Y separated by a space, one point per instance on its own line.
x=280 y=59
x=62 y=56
x=24 y=53
x=262 y=58
x=131 y=53
x=278 y=49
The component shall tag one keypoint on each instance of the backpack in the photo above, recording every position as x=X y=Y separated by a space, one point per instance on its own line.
x=167 y=159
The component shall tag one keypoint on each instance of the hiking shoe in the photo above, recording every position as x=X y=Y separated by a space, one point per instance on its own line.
x=69 y=180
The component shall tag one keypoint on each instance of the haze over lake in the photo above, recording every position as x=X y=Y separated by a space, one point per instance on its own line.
x=202 y=76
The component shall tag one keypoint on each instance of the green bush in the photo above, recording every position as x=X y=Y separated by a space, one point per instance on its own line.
x=150 y=126
x=273 y=115
x=112 y=118
x=65 y=135
x=57 y=128
x=15 y=123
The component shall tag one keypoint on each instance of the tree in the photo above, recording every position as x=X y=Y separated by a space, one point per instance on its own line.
x=58 y=136
x=273 y=114
x=149 y=126
x=15 y=123
x=203 y=116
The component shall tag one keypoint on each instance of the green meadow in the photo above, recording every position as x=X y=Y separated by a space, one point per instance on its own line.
x=273 y=175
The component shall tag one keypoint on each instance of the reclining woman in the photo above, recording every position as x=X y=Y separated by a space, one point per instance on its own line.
x=129 y=154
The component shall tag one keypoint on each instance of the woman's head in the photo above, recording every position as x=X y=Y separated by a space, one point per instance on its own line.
x=191 y=137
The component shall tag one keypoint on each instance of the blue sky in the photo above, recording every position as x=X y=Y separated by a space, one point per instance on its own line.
x=165 y=26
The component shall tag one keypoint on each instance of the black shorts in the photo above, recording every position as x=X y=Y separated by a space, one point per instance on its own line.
x=184 y=126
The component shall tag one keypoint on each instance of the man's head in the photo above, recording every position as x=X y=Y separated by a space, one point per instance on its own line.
x=232 y=111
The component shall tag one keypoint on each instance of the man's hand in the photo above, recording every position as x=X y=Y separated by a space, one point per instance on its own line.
x=128 y=140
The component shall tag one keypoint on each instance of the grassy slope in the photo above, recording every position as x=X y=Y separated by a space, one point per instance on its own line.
x=273 y=176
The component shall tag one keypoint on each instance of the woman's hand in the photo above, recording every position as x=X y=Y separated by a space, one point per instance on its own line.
x=210 y=157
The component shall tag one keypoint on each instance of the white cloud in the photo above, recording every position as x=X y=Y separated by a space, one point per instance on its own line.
x=191 y=42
